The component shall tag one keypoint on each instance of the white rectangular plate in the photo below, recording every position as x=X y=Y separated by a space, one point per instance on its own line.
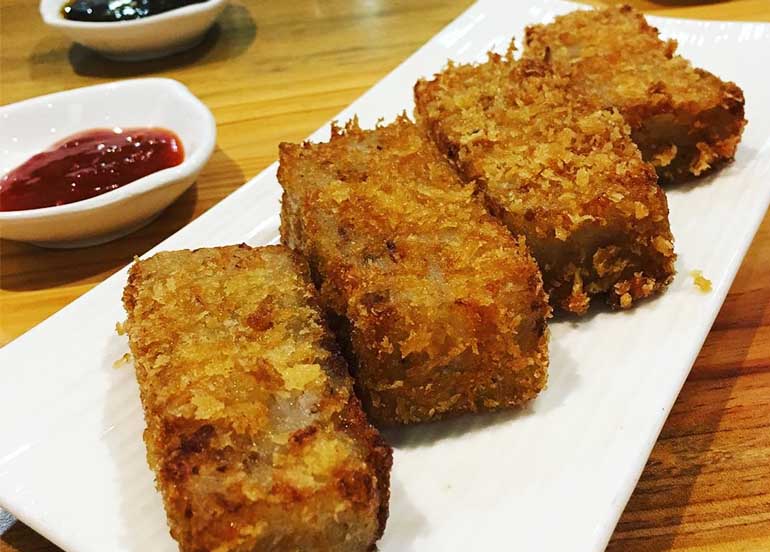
x=554 y=476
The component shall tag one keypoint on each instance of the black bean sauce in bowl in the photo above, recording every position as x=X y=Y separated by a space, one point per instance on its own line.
x=105 y=11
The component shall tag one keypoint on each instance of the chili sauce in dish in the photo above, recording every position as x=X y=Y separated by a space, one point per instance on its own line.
x=89 y=164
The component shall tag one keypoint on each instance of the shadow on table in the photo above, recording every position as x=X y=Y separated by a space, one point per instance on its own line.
x=27 y=267
x=233 y=33
x=655 y=515
x=22 y=538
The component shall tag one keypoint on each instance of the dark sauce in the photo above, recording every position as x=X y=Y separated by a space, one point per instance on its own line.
x=87 y=165
x=119 y=10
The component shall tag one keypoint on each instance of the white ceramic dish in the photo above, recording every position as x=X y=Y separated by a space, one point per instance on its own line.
x=137 y=39
x=32 y=126
x=552 y=477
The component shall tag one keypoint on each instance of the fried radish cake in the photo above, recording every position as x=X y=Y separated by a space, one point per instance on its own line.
x=441 y=311
x=684 y=119
x=558 y=170
x=256 y=438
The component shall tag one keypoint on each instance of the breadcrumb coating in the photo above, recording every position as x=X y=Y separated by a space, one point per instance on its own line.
x=557 y=170
x=440 y=309
x=700 y=281
x=685 y=120
x=257 y=441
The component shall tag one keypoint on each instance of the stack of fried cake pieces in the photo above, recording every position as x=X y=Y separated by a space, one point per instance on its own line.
x=433 y=252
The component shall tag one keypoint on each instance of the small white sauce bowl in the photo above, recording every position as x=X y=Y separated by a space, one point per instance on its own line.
x=33 y=126
x=137 y=39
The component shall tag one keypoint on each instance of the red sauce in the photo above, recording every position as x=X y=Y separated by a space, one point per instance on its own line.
x=87 y=165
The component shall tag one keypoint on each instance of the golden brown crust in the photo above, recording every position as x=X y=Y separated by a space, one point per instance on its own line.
x=255 y=436
x=684 y=119
x=558 y=170
x=440 y=309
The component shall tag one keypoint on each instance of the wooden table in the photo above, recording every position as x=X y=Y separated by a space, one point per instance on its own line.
x=275 y=71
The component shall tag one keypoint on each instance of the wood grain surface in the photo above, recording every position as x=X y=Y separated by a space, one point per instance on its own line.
x=273 y=71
